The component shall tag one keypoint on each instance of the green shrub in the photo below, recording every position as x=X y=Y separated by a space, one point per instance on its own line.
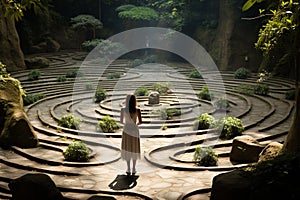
x=222 y=104
x=69 y=121
x=205 y=121
x=195 y=74
x=242 y=73
x=161 y=88
x=77 y=151
x=114 y=75
x=90 y=44
x=245 y=89
x=125 y=7
x=205 y=94
x=3 y=71
x=167 y=113
x=34 y=75
x=108 y=125
x=61 y=78
x=88 y=86
x=136 y=62
x=230 y=127
x=205 y=156
x=31 y=98
x=100 y=95
x=73 y=73
x=142 y=91
x=261 y=89
x=290 y=95
x=151 y=59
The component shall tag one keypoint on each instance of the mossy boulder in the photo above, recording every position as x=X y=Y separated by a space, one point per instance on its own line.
x=15 y=128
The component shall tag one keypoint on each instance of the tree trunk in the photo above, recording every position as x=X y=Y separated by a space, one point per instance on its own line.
x=292 y=142
x=233 y=46
x=10 y=52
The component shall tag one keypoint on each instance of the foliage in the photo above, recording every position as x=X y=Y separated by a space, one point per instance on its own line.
x=77 y=151
x=261 y=89
x=69 y=121
x=31 y=98
x=137 y=13
x=114 y=75
x=172 y=12
x=73 y=73
x=61 y=78
x=222 y=104
x=205 y=156
x=263 y=75
x=3 y=72
x=205 y=94
x=151 y=59
x=34 y=75
x=100 y=95
x=107 y=125
x=142 y=91
x=16 y=9
x=205 y=121
x=90 y=44
x=85 y=23
x=161 y=88
x=167 y=113
x=136 y=62
x=88 y=86
x=125 y=7
x=230 y=127
x=241 y=73
x=195 y=74
x=107 y=48
x=290 y=95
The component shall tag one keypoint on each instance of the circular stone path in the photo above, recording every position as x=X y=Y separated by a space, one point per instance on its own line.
x=166 y=170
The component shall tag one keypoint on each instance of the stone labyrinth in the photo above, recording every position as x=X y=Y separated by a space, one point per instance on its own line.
x=166 y=170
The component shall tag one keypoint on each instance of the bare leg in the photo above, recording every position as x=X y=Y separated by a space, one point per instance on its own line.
x=133 y=166
x=128 y=167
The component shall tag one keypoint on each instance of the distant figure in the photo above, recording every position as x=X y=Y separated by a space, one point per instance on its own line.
x=131 y=118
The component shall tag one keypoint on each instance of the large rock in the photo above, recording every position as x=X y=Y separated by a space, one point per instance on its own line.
x=37 y=62
x=270 y=151
x=245 y=149
x=233 y=185
x=34 y=187
x=153 y=98
x=15 y=128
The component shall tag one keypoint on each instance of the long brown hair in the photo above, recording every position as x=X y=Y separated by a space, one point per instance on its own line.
x=131 y=103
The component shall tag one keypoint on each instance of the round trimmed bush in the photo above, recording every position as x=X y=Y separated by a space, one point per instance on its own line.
x=222 y=104
x=205 y=121
x=261 y=89
x=136 y=62
x=230 y=127
x=142 y=91
x=61 y=78
x=242 y=73
x=114 y=75
x=100 y=95
x=31 y=98
x=108 y=125
x=162 y=88
x=205 y=156
x=290 y=95
x=77 y=151
x=34 y=75
x=205 y=94
x=195 y=74
x=69 y=121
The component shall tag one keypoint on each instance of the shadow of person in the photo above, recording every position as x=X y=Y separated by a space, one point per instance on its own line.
x=124 y=182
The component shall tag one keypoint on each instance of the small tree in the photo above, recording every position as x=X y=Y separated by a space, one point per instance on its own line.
x=86 y=23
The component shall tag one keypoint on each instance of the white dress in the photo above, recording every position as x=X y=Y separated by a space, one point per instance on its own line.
x=130 y=148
